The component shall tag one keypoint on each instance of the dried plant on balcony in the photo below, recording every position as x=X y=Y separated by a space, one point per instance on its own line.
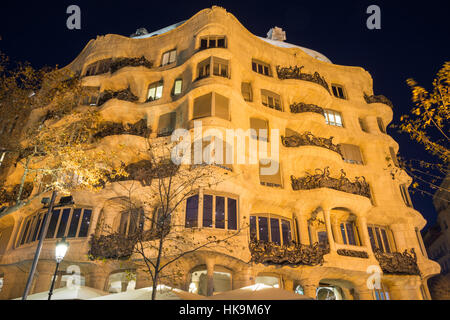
x=378 y=99
x=119 y=63
x=296 y=73
x=308 y=139
x=124 y=94
x=299 y=107
x=353 y=253
x=398 y=263
x=293 y=254
x=322 y=179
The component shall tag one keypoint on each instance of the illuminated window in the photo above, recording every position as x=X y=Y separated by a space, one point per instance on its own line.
x=379 y=238
x=349 y=233
x=219 y=67
x=169 y=57
x=178 y=86
x=155 y=91
x=219 y=212
x=333 y=118
x=270 y=228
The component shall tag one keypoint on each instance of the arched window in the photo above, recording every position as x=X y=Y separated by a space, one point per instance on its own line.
x=380 y=238
x=131 y=221
x=349 y=233
x=155 y=91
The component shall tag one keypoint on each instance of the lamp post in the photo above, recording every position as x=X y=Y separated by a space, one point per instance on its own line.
x=60 y=252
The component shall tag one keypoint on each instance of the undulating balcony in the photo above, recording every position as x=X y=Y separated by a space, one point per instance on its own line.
x=398 y=263
x=309 y=139
x=296 y=73
x=300 y=107
x=124 y=94
x=378 y=99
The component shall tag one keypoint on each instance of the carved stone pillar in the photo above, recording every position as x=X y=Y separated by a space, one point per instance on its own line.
x=362 y=226
x=303 y=229
x=329 y=230
x=210 y=277
x=309 y=288
x=334 y=227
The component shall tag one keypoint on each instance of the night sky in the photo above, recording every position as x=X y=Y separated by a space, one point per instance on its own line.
x=413 y=40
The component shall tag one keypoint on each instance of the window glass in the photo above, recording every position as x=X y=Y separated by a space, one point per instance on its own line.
x=372 y=238
x=155 y=91
x=261 y=67
x=202 y=106
x=385 y=241
x=178 y=86
x=344 y=236
x=286 y=230
x=351 y=234
x=74 y=223
x=220 y=212
x=63 y=223
x=271 y=99
x=333 y=118
x=232 y=214
x=253 y=231
x=36 y=229
x=191 y=211
x=53 y=222
x=207 y=211
x=27 y=225
x=221 y=107
x=84 y=227
x=263 y=229
x=41 y=228
x=275 y=230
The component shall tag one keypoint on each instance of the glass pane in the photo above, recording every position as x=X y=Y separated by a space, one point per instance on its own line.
x=263 y=229
x=84 y=228
x=63 y=223
x=178 y=85
x=36 y=229
x=52 y=225
x=25 y=232
x=191 y=211
x=159 y=91
x=232 y=214
x=380 y=244
x=322 y=236
x=253 y=233
x=254 y=68
x=202 y=106
x=151 y=93
x=338 y=119
x=203 y=43
x=334 y=91
x=32 y=228
x=266 y=70
x=351 y=234
x=372 y=238
x=221 y=43
x=173 y=56
x=286 y=230
x=260 y=68
x=220 y=212
x=221 y=107
x=275 y=230
x=123 y=226
x=74 y=223
x=165 y=58
x=344 y=237
x=385 y=241
x=41 y=228
x=207 y=210
x=212 y=43
x=216 y=68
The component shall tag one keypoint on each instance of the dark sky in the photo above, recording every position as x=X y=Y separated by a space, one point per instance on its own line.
x=414 y=39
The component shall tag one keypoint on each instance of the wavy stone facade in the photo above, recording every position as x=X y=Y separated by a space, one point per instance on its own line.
x=349 y=224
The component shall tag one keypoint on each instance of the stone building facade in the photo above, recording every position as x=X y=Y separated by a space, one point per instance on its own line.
x=330 y=213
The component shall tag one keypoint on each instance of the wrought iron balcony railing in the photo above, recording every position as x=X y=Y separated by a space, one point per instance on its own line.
x=378 y=99
x=293 y=254
x=296 y=73
x=124 y=94
x=120 y=63
x=300 y=107
x=398 y=263
x=308 y=139
x=322 y=179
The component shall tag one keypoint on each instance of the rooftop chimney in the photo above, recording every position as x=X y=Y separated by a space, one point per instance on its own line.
x=276 y=33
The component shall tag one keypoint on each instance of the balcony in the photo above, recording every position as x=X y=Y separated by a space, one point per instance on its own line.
x=293 y=254
x=120 y=63
x=398 y=263
x=296 y=73
x=308 y=139
x=378 y=99
x=108 y=128
x=322 y=179
x=300 y=107
x=124 y=94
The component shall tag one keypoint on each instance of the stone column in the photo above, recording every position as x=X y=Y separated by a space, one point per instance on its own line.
x=329 y=230
x=309 y=288
x=334 y=227
x=303 y=229
x=210 y=276
x=362 y=224
x=288 y=285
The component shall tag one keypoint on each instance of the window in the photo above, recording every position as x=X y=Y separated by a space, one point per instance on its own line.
x=261 y=67
x=259 y=124
x=405 y=195
x=270 y=228
x=219 y=212
x=271 y=99
x=338 y=91
x=211 y=105
x=393 y=156
x=166 y=124
x=155 y=91
x=98 y=67
x=333 y=118
x=178 y=87
x=351 y=153
x=90 y=96
x=213 y=42
x=2 y=157
x=381 y=125
x=220 y=68
x=349 y=233
x=131 y=221
x=381 y=293
x=363 y=125
x=169 y=57
x=64 y=222
x=246 y=89
x=269 y=178
x=379 y=238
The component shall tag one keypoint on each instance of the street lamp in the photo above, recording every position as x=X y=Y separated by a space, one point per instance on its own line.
x=60 y=252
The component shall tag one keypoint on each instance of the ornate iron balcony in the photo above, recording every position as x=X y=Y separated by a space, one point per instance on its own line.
x=308 y=139
x=398 y=263
x=293 y=254
x=120 y=63
x=299 y=107
x=124 y=94
x=322 y=179
x=353 y=253
x=378 y=99
x=112 y=128
x=296 y=73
